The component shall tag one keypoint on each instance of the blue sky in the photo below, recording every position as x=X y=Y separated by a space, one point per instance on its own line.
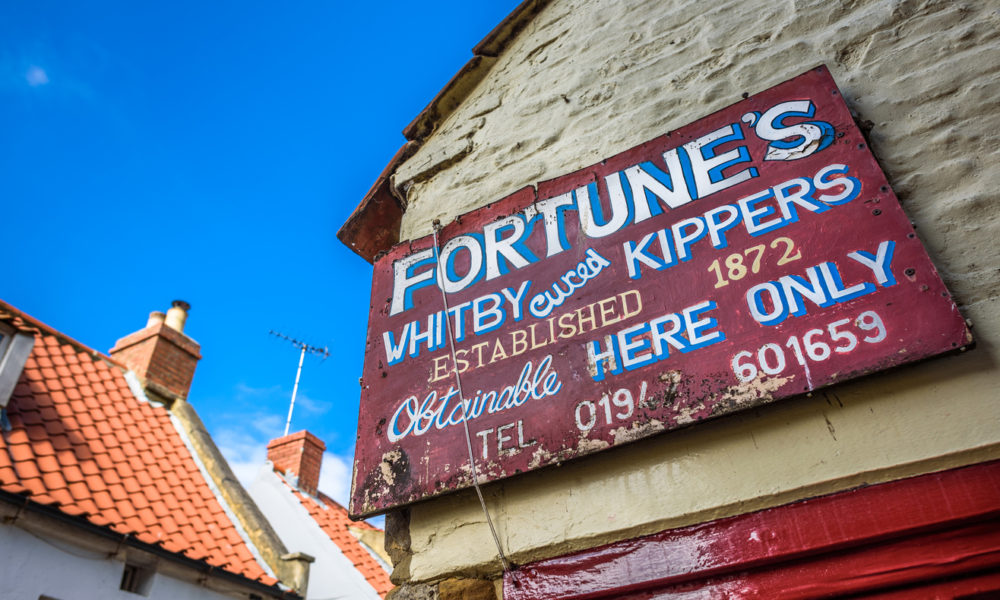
x=209 y=151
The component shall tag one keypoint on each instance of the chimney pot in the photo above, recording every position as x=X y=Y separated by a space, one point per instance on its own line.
x=177 y=315
x=155 y=318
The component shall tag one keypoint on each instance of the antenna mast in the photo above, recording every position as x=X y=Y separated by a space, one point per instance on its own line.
x=304 y=347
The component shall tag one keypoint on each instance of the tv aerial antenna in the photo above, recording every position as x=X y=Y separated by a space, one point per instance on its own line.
x=304 y=347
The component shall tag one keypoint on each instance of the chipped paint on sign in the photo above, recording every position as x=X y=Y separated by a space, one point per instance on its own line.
x=755 y=254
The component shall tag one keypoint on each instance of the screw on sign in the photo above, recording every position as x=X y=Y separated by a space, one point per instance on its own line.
x=752 y=255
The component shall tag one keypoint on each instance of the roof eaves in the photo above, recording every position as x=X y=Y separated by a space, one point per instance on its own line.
x=373 y=227
x=449 y=98
x=24 y=503
x=497 y=40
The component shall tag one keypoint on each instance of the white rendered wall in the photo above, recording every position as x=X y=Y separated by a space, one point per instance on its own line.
x=32 y=566
x=332 y=575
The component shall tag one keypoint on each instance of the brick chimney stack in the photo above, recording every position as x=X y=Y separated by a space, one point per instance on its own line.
x=160 y=354
x=299 y=454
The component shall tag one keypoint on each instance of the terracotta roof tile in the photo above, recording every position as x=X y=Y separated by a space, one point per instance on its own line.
x=333 y=520
x=89 y=506
x=96 y=483
x=103 y=461
x=17 y=435
x=79 y=491
x=83 y=453
x=13 y=487
x=118 y=493
x=7 y=474
x=55 y=428
x=30 y=418
x=53 y=481
x=72 y=474
x=148 y=517
x=26 y=469
x=60 y=496
x=22 y=452
x=162 y=487
x=47 y=464
x=81 y=441
x=166 y=521
x=103 y=500
x=139 y=501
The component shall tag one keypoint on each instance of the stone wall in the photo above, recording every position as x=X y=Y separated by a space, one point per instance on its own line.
x=586 y=80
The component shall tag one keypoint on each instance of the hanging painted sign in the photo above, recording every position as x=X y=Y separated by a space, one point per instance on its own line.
x=755 y=254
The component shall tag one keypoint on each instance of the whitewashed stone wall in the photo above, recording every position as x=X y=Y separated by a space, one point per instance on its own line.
x=588 y=79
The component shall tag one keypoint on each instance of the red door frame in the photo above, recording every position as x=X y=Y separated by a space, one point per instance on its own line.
x=932 y=536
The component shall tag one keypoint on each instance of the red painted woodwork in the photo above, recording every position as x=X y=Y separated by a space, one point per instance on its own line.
x=933 y=536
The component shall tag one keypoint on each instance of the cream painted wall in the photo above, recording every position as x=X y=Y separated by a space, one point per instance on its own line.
x=588 y=79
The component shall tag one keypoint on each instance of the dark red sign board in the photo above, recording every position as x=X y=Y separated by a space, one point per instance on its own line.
x=755 y=254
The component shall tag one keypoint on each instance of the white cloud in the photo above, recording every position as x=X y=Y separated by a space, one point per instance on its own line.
x=335 y=477
x=244 y=447
x=242 y=437
x=36 y=76
x=304 y=405
x=243 y=389
x=310 y=406
x=244 y=452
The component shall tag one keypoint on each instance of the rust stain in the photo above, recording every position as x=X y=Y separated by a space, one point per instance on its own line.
x=830 y=427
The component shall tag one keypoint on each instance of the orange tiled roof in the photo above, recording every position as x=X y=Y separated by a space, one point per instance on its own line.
x=333 y=519
x=81 y=441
